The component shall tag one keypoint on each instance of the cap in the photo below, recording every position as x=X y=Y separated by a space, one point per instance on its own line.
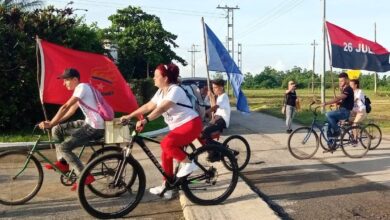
x=69 y=73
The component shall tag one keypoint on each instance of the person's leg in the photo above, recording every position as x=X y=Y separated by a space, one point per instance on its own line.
x=60 y=131
x=333 y=117
x=80 y=137
x=290 y=111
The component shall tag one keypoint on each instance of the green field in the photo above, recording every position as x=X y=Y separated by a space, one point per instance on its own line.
x=270 y=101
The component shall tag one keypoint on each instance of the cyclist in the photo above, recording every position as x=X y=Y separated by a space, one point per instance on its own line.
x=346 y=102
x=80 y=131
x=184 y=123
x=221 y=117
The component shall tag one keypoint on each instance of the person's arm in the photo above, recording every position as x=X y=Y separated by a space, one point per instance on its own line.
x=146 y=108
x=157 y=112
x=65 y=111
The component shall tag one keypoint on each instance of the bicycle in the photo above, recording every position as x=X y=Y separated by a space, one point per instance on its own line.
x=238 y=146
x=375 y=134
x=303 y=142
x=124 y=177
x=21 y=174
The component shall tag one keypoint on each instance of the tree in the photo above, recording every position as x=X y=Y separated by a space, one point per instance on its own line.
x=142 y=42
x=20 y=4
x=19 y=97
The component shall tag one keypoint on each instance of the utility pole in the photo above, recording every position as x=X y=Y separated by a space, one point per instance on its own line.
x=230 y=32
x=375 y=72
x=239 y=56
x=193 y=51
x=324 y=57
x=314 y=44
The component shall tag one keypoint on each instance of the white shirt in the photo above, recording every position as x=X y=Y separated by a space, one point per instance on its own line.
x=359 y=105
x=177 y=115
x=223 y=109
x=84 y=92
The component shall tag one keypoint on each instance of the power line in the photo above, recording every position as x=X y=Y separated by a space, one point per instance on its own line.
x=155 y=9
x=193 y=51
x=280 y=10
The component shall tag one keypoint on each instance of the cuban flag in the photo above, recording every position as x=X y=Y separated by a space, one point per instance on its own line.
x=352 y=52
x=220 y=60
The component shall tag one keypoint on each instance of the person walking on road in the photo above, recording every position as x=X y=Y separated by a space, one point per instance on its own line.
x=291 y=104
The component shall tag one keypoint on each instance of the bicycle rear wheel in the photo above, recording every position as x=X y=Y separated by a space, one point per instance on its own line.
x=124 y=196
x=213 y=183
x=240 y=149
x=17 y=190
x=375 y=134
x=303 y=143
x=355 y=142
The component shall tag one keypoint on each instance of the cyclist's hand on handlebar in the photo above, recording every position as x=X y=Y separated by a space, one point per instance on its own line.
x=124 y=119
x=44 y=124
x=140 y=125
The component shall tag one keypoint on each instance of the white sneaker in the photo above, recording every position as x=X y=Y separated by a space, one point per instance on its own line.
x=187 y=169
x=158 y=189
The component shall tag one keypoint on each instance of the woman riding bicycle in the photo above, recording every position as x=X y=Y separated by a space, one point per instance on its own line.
x=184 y=123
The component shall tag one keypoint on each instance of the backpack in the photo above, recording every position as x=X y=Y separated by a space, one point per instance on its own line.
x=193 y=94
x=367 y=103
x=103 y=108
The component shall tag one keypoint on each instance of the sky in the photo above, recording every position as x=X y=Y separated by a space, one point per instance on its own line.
x=276 y=33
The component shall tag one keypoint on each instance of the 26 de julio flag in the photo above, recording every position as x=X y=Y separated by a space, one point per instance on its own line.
x=96 y=69
x=352 y=52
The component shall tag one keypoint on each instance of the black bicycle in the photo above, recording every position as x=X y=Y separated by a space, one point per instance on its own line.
x=21 y=174
x=304 y=142
x=122 y=177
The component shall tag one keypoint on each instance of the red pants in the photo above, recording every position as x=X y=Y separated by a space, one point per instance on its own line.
x=172 y=144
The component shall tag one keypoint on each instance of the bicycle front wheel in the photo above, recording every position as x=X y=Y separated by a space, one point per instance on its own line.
x=375 y=134
x=240 y=149
x=124 y=196
x=355 y=142
x=303 y=143
x=18 y=184
x=212 y=183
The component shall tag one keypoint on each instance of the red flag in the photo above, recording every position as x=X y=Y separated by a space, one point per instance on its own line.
x=353 y=52
x=96 y=69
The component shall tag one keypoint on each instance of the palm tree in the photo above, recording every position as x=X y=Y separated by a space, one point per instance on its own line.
x=21 y=4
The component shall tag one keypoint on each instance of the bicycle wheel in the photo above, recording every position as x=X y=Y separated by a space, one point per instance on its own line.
x=18 y=189
x=375 y=134
x=240 y=149
x=122 y=202
x=355 y=142
x=213 y=182
x=104 y=150
x=303 y=143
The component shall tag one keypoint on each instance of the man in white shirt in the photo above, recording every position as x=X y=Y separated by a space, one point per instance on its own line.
x=80 y=131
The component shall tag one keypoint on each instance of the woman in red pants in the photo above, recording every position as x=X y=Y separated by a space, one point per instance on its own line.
x=184 y=123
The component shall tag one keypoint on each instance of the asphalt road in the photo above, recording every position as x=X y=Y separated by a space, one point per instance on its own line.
x=329 y=186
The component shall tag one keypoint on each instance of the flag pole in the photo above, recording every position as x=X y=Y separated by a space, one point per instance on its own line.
x=205 y=53
x=37 y=52
x=324 y=57
x=330 y=64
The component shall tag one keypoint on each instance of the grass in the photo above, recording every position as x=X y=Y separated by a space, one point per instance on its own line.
x=270 y=101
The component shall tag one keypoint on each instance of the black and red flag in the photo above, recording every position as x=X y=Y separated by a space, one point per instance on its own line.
x=352 y=52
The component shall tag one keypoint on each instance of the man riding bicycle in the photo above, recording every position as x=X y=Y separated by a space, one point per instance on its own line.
x=80 y=131
x=345 y=100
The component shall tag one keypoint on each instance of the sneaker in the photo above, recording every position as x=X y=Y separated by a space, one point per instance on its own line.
x=187 y=169
x=288 y=131
x=62 y=166
x=90 y=179
x=158 y=190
